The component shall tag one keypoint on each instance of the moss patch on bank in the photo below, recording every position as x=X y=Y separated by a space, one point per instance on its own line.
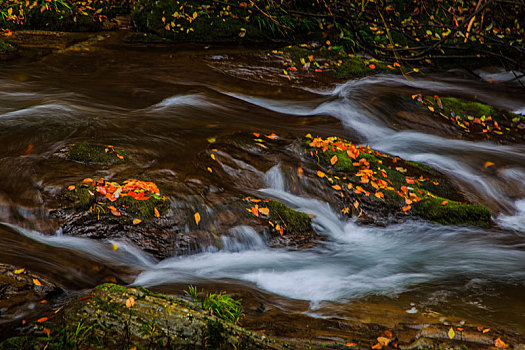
x=362 y=176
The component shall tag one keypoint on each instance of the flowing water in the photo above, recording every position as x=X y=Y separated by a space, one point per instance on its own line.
x=164 y=104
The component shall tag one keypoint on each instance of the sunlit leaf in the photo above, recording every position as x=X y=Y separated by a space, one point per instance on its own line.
x=264 y=211
x=451 y=333
x=320 y=174
x=36 y=282
x=197 y=217
x=19 y=271
x=130 y=302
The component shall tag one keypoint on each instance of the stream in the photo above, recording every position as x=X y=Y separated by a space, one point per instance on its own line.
x=163 y=104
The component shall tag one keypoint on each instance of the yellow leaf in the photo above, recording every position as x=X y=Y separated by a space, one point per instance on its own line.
x=19 y=271
x=264 y=211
x=212 y=139
x=333 y=160
x=130 y=302
x=430 y=108
x=136 y=221
x=451 y=333
x=212 y=156
x=36 y=282
x=336 y=187
x=210 y=170
x=500 y=343
x=157 y=214
x=197 y=217
x=114 y=246
x=383 y=341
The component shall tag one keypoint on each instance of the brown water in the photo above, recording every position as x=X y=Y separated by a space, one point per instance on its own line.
x=162 y=105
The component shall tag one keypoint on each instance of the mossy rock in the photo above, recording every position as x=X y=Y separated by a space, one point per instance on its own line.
x=293 y=221
x=382 y=185
x=6 y=47
x=474 y=118
x=447 y=212
x=337 y=60
x=95 y=154
x=114 y=316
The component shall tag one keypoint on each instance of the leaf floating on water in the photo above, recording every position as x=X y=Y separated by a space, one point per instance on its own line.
x=19 y=271
x=451 y=333
x=136 y=221
x=130 y=302
x=36 y=282
x=197 y=217
x=333 y=160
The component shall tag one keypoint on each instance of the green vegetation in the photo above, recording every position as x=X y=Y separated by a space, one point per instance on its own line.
x=292 y=220
x=452 y=213
x=6 y=47
x=382 y=181
x=98 y=154
x=218 y=304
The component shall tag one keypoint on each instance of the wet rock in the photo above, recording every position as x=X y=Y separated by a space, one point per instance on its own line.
x=113 y=316
x=476 y=120
x=94 y=154
x=21 y=291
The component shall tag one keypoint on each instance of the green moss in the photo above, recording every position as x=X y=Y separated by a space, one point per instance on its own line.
x=293 y=220
x=452 y=213
x=6 y=47
x=144 y=209
x=92 y=153
x=463 y=108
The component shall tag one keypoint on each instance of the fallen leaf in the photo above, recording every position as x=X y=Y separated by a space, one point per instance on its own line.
x=383 y=341
x=379 y=195
x=388 y=333
x=320 y=174
x=43 y=319
x=350 y=344
x=130 y=302
x=333 y=160
x=36 y=282
x=372 y=66
x=255 y=211
x=157 y=214
x=114 y=246
x=336 y=187
x=444 y=203
x=46 y=331
x=197 y=217
x=71 y=188
x=500 y=343
x=486 y=330
x=377 y=346
x=116 y=212
x=430 y=108
x=451 y=333
x=19 y=271
x=488 y=164
x=87 y=180
x=120 y=157
x=407 y=208
x=264 y=211
x=212 y=156
x=256 y=134
x=136 y=221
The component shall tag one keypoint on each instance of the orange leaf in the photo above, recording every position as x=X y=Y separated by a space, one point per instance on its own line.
x=379 y=195
x=336 y=187
x=350 y=344
x=130 y=302
x=486 y=330
x=255 y=210
x=256 y=134
x=43 y=319
x=136 y=221
x=197 y=217
x=120 y=157
x=333 y=160
x=116 y=213
x=320 y=174
x=372 y=66
x=500 y=343
x=430 y=108
x=87 y=180
x=388 y=333
x=36 y=282
x=488 y=164
x=71 y=188
x=407 y=208
x=444 y=203
x=377 y=346
x=409 y=181
x=46 y=331
x=264 y=211
x=383 y=341
x=157 y=214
